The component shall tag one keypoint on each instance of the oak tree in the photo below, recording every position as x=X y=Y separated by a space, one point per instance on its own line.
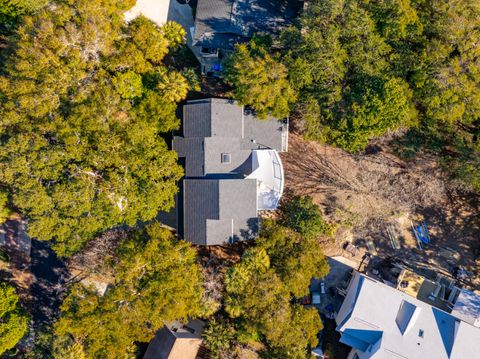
x=84 y=101
x=259 y=80
x=150 y=288
x=13 y=322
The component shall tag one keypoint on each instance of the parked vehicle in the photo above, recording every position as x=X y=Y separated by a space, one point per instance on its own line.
x=316 y=298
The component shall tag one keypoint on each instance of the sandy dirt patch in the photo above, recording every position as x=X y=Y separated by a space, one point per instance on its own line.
x=373 y=194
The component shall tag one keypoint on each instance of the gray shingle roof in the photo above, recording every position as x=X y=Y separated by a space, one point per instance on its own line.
x=226 y=118
x=212 y=117
x=219 y=231
x=219 y=204
x=200 y=202
x=194 y=150
x=161 y=346
x=222 y=23
x=197 y=120
x=219 y=211
x=238 y=200
x=215 y=126
x=264 y=132
x=215 y=146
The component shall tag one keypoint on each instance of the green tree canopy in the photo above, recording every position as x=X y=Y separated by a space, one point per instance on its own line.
x=373 y=108
x=259 y=80
x=296 y=258
x=12 y=10
x=260 y=288
x=13 y=322
x=4 y=210
x=464 y=165
x=218 y=337
x=83 y=104
x=445 y=74
x=260 y=300
x=342 y=60
x=305 y=217
x=363 y=68
x=157 y=280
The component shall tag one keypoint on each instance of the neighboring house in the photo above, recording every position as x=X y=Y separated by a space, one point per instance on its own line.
x=232 y=170
x=220 y=24
x=176 y=341
x=442 y=293
x=379 y=321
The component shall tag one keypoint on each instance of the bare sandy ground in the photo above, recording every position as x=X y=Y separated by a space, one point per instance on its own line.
x=369 y=194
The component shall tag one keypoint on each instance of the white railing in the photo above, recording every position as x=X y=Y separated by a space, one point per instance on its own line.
x=277 y=174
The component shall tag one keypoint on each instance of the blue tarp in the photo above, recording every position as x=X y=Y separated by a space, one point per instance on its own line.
x=423 y=234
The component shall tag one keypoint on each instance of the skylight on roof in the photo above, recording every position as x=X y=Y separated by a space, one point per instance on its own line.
x=226 y=158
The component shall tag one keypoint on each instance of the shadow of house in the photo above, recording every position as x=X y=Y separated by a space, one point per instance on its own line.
x=253 y=226
x=447 y=327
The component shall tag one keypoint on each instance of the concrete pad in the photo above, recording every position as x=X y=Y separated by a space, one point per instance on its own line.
x=348 y=262
x=155 y=10
x=336 y=278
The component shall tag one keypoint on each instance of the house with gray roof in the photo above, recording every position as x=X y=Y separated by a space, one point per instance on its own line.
x=177 y=341
x=220 y=24
x=232 y=170
x=380 y=322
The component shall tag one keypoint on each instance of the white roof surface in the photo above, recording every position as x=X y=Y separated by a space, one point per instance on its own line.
x=374 y=315
x=155 y=10
x=467 y=307
x=267 y=169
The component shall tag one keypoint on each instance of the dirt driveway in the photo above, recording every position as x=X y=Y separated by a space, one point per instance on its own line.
x=375 y=194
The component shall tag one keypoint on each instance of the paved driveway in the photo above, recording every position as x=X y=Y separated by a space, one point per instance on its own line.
x=155 y=10
x=183 y=14
x=340 y=269
x=161 y=11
